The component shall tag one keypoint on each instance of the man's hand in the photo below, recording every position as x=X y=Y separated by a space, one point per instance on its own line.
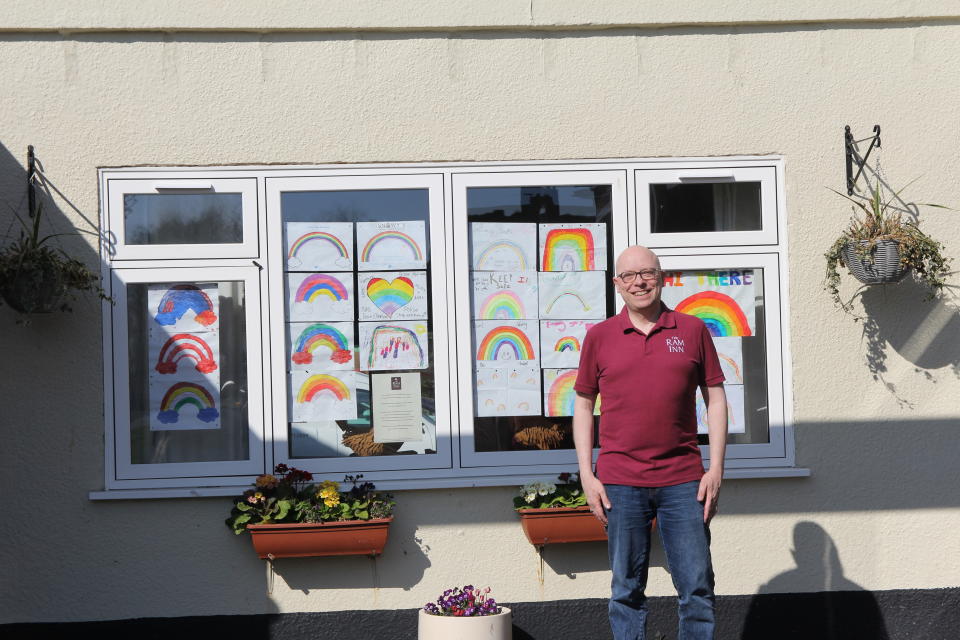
x=596 y=496
x=709 y=493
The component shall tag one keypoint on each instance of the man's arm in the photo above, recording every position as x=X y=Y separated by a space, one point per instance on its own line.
x=709 y=492
x=583 y=441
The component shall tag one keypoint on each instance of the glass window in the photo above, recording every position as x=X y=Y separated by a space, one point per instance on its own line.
x=183 y=218
x=698 y=207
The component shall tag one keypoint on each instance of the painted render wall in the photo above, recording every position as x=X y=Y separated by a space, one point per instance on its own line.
x=876 y=411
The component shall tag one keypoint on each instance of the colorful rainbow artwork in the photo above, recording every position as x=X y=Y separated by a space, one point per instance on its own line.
x=567 y=343
x=391 y=234
x=576 y=295
x=323 y=236
x=720 y=312
x=503 y=305
x=390 y=296
x=737 y=374
x=185 y=345
x=561 y=396
x=568 y=250
x=321 y=335
x=512 y=247
x=181 y=298
x=187 y=393
x=320 y=284
x=320 y=382
x=393 y=340
x=508 y=338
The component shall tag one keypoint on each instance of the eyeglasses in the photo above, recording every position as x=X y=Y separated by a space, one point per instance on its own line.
x=645 y=274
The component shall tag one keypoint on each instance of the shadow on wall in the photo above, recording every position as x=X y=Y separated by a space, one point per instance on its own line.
x=835 y=608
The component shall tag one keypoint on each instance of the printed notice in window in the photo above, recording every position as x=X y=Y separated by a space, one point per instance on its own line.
x=396 y=407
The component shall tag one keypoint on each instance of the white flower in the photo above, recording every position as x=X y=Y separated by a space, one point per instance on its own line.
x=530 y=497
x=546 y=488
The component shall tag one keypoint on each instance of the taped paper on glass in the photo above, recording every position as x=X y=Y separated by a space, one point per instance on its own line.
x=384 y=246
x=735 y=414
x=317 y=440
x=723 y=299
x=319 y=246
x=575 y=295
x=320 y=345
x=730 y=354
x=560 y=342
x=392 y=295
x=558 y=393
x=397 y=408
x=389 y=346
x=504 y=295
x=508 y=391
x=573 y=247
x=500 y=343
x=504 y=246
x=319 y=296
x=323 y=395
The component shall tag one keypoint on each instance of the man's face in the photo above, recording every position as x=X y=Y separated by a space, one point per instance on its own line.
x=639 y=295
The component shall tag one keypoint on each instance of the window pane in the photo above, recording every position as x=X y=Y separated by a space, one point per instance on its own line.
x=192 y=218
x=188 y=372
x=541 y=265
x=360 y=361
x=692 y=207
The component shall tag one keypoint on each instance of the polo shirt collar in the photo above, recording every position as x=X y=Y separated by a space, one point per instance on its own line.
x=667 y=319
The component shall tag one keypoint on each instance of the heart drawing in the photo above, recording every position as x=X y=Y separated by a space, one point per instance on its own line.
x=390 y=296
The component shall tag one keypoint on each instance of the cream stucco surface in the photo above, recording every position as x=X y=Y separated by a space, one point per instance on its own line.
x=876 y=413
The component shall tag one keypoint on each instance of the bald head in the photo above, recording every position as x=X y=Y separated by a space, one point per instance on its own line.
x=636 y=258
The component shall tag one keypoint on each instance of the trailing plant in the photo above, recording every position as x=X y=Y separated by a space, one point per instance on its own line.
x=875 y=220
x=466 y=602
x=288 y=495
x=544 y=495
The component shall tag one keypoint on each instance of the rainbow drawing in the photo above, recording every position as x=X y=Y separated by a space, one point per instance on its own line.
x=503 y=305
x=181 y=298
x=390 y=296
x=561 y=396
x=568 y=250
x=574 y=294
x=737 y=374
x=320 y=335
x=185 y=345
x=512 y=247
x=187 y=393
x=320 y=284
x=320 y=382
x=567 y=343
x=508 y=338
x=391 y=234
x=389 y=341
x=322 y=236
x=721 y=313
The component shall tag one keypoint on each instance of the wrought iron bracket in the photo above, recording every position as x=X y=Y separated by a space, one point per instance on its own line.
x=31 y=187
x=853 y=156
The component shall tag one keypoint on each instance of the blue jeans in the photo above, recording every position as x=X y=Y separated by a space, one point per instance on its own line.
x=686 y=540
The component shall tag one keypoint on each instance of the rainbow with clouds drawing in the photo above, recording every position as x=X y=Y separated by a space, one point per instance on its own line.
x=503 y=245
x=318 y=236
x=184 y=394
x=320 y=383
x=721 y=313
x=568 y=250
x=181 y=298
x=185 y=345
x=320 y=335
x=510 y=339
x=320 y=284
x=503 y=305
x=385 y=236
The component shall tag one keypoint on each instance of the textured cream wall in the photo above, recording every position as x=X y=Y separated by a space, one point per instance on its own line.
x=877 y=431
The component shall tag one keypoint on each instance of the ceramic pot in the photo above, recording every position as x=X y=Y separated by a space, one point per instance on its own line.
x=299 y=539
x=498 y=626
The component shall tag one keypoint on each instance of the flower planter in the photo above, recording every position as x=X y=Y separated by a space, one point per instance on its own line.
x=299 y=539
x=39 y=290
x=498 y=626
x=561 y=524
x=885 y=269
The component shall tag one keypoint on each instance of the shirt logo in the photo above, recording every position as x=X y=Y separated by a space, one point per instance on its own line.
x=675 y=345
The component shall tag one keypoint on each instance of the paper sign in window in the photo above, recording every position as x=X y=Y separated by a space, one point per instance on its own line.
x=391 y=245
x=723 y=299
x=504 y=295
x=504 y=246
x=397 y=407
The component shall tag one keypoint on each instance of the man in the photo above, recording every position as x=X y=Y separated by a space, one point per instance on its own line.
x=646 y=364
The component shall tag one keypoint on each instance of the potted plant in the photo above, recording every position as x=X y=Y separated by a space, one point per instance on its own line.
x=465 y=613
x=879 y=246
x=288 y=516
x=554 y=513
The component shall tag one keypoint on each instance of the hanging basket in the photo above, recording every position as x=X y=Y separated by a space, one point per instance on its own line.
x=886 y=267
x=34 y=290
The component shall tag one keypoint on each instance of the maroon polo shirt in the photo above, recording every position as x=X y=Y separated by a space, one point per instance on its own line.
x=647 y=386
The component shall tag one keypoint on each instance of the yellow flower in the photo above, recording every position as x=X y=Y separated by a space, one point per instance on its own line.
x=330 y=493
x=331 y=502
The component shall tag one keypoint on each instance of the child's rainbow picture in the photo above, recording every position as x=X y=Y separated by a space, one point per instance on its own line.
x=326 y=345
x=573 y=247
x=503 y=246
x=501 y=343
x=393 y=346
x=319 y=246
x=720 y=313
x=723 y=299
x=392 y=295
x=187 y=405
x=509 y=391
x=504 y=295
x=730 y=353
x=578 y=295
x=735 y=410
x=185 y=306
x=559 y=394
x=193 y=348
x=391 y=245
x=323 y=395
x=319 y=296
x=561 y=341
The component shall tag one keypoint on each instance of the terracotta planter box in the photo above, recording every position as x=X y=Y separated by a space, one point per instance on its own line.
x=563 y=524
x=299 y=540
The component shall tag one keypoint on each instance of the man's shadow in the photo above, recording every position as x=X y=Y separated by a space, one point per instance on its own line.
x=814 y=600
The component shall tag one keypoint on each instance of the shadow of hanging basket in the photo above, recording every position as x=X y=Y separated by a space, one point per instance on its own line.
x=885 y=267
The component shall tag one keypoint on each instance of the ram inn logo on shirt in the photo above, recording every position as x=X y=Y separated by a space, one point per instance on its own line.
x=675 y=345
